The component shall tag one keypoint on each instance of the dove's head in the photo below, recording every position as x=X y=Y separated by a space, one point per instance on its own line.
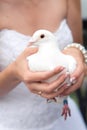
x=41 y=36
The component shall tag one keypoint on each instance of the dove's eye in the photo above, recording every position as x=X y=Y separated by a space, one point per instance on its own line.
x=42 y=36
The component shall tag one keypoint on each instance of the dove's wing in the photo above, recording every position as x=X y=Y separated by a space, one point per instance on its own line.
x=71 y=64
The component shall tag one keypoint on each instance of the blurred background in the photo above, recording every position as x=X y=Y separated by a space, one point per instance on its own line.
x=84 y=7
x=80 y=96
x=84 y=18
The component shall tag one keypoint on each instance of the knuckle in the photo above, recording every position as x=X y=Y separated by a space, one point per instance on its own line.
x=47 y=96
x=44 y=95
x=26 y=78
x=51 y=96
x=49 y=90
x=30 y=87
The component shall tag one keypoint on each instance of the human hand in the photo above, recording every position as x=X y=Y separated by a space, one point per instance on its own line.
x=79 y=73
x=49 y=90
x=33 y=79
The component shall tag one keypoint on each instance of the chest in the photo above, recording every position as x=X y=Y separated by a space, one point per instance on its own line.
x=29 y=18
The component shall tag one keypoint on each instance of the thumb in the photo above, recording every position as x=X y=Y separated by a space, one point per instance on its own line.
x=30 y=50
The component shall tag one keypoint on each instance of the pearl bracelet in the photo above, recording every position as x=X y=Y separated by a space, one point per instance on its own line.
x=80 y=47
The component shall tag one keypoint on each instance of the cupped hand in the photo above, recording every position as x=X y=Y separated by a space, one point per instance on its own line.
x=49 y=90
x=78 y=75
x=33 y=80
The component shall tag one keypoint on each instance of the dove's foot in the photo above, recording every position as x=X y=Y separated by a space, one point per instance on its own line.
x=66 y=109
x=51 y=100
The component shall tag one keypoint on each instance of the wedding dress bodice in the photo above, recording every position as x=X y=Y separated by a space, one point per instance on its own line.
x=20 y=109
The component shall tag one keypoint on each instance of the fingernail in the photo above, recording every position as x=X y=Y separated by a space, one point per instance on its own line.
x=61 y=68
x=73 y=80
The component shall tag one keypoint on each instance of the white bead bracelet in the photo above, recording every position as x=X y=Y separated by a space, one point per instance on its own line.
x=81 y=48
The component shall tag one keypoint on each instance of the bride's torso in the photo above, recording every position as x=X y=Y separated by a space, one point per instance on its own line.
x=20 y=105
x=20 y=109
x=28 y=16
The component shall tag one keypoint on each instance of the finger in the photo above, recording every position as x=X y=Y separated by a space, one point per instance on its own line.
x=74 y=87
x=48 y=87
x=29 y=51
x=63 y=88
x=56 y=85
x=62 y=82
x=46 y=95
x=50 y=95
x=77 y=73
x=40 y=76
x=37 y=87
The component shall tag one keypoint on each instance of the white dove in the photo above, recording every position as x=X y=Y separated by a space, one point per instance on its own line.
x=48 y=57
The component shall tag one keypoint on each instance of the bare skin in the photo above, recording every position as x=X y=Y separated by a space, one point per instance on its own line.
x=27 y=16
x=32 y=15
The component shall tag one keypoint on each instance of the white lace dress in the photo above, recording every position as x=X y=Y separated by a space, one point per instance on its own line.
x=22 y=110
